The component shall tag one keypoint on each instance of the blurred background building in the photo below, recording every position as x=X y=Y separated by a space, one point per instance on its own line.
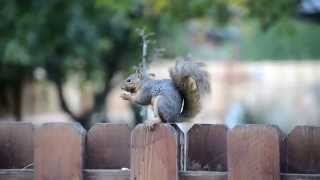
x=64 y=60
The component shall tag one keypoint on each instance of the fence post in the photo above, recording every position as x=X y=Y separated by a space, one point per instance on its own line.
x=108 y=146
x=59 y=149
x=154 y=153
x=16 y=145
x=303 y=147
x=207 y=147
x=253 y=153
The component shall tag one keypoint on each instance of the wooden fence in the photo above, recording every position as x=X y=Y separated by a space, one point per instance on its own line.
x=65 y=151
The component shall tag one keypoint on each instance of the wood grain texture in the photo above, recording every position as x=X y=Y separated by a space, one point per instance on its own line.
x=16 y=145
x=303 y=150
x=207 y=147
x=253 y=153
x=103 y=174
x=108 y=146
x=59 y=150
x=203 y=175
x=286 y=176
x=100 y=174
x=16 y=174
x=154 y=153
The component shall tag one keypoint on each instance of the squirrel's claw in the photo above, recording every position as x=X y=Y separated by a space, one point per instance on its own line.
x=150 y=124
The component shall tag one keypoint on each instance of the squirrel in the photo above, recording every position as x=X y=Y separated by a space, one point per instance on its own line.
x=177 y=99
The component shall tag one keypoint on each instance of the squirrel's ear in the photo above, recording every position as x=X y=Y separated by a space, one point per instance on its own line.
x=152 y=75
x=140 y=75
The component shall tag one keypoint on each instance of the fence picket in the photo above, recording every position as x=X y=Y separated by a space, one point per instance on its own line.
x=154 y=153
x=16 y=145
x=108 y=146
x=253 y=153
x=207 y=147
x=59 y=150
x=303 y=150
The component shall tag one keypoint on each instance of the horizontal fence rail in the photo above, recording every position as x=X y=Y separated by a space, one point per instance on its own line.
x=91 y=174
x=65 y=151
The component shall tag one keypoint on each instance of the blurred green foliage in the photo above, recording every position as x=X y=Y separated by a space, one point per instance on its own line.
x=97 y=39
x=287 y=40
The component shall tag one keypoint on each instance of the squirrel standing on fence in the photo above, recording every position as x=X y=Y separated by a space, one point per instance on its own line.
x=177 y=99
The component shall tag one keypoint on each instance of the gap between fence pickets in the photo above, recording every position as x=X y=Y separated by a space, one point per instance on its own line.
x=105 y=173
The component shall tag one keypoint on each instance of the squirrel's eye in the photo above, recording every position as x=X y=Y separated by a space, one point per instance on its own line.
x=128 y=80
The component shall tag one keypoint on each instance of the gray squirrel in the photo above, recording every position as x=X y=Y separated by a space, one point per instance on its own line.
x=177 y=99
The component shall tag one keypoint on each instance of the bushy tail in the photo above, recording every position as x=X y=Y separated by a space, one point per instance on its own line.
x=193 y=82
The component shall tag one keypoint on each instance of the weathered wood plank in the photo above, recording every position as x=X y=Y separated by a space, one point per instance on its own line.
x=203 y=175
x=16 y=174
x=59 y=150
x=253 y=153
x=108 y=146
x=185 y=175
x=124 y=175
x=104 y=174
x=16 y=145
x=286 y=176
x=207 y=147
x=99 y=174
x=154 y=153
x=303 y=150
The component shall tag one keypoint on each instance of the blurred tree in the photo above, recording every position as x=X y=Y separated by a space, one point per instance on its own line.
x=288 y=40
x=63 y=37
x=97 y=39
x=269 y=12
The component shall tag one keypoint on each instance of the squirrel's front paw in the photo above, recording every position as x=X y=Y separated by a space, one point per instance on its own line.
x=150 y=124
x=125 y=96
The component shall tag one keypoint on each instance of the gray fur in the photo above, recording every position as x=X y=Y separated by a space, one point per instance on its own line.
x=188 y=83
x=170 y=101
